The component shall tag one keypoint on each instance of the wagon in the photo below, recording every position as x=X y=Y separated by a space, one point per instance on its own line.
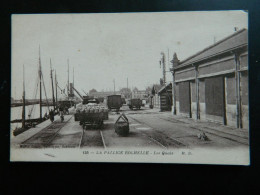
x=91 y=120
x=135 y=103
x=114 y=102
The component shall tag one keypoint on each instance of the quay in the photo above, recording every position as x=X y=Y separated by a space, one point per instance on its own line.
x=149 y=128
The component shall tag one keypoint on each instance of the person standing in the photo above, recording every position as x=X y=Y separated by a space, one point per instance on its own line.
x=51 y=115
x=61 y=110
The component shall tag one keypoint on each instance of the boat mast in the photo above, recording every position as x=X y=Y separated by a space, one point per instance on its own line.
x=68 y=78
x=40 y=76
x=56 y=83
x=23 y=114
x=53 y=98
x=73 y=80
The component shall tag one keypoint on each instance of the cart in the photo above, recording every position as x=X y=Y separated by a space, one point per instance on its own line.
x=114 y=102
x=122 y=125
x=91 y=120
x=135 y=103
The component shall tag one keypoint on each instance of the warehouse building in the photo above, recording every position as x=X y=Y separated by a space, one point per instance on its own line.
x=213 y=83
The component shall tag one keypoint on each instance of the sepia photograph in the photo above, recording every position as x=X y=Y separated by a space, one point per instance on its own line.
x=146 y=87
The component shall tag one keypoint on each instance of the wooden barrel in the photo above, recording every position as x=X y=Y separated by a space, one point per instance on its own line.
x=122 y=125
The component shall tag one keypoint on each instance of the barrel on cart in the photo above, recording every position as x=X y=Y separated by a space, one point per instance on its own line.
x=114 y=102
x=135 y=103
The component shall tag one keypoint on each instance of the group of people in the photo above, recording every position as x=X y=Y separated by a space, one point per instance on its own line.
x=62 y=111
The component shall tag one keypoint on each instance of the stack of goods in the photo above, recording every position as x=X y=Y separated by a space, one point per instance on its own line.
x=90 y=108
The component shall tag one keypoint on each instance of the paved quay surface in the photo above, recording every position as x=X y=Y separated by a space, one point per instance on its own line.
x=149 y=128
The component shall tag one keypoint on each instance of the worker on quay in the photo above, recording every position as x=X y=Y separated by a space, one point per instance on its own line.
x=45 y=116
x=61 y=117
x=66 y=110
x=61 y=110
x=51 y=114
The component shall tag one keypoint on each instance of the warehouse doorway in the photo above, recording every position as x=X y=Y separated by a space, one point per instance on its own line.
x=185 y=98
x=215 y=99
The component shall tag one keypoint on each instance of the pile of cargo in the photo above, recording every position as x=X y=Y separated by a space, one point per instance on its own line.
x=91 y=108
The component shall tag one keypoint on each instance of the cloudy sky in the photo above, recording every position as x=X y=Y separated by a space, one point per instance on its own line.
x=103 y=47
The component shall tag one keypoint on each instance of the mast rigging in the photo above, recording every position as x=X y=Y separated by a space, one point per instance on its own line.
x=40 y=83
x=23 y=113
x=53 y=98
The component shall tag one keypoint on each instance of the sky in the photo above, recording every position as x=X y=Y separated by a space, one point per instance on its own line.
x=103 y=47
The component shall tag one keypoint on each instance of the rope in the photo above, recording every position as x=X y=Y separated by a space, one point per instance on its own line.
x=35 y=94
x=45 y=92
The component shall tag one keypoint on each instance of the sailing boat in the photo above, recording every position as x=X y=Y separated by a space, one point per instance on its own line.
x=28 y=123
x=40 y=82
x=67 y=101
x=24 y=126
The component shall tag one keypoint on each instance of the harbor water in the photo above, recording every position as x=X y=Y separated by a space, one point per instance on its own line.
x=16 y=113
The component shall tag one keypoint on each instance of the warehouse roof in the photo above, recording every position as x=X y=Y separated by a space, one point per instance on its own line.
x=169 y=86
x=229 y=43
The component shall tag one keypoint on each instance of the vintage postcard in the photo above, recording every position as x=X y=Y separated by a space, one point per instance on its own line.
x=156 y=87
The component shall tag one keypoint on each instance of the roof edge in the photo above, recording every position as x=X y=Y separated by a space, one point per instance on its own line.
x=163 y=88
x=213 y=45
x=220 y=53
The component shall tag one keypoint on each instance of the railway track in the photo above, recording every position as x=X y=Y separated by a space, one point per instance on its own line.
x=92 y=138
x=160 y=138
x=211 y=131
x=44 y=137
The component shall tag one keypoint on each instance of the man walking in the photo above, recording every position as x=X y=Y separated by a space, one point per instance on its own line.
x=51 y=115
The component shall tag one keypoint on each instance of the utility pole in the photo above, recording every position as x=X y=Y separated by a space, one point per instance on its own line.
x=127 y=87
x=175 y=62
x=23 y=114
x=114 y=86
x=68 y=78
x=168 y=57
x=14 y=93
x=56 y=83
x=162 y=62
x=73 y=81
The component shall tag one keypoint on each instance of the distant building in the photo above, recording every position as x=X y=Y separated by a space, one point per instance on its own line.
x=213 y=83
x=141 y=94
x=104 y=94
x=155 y=98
